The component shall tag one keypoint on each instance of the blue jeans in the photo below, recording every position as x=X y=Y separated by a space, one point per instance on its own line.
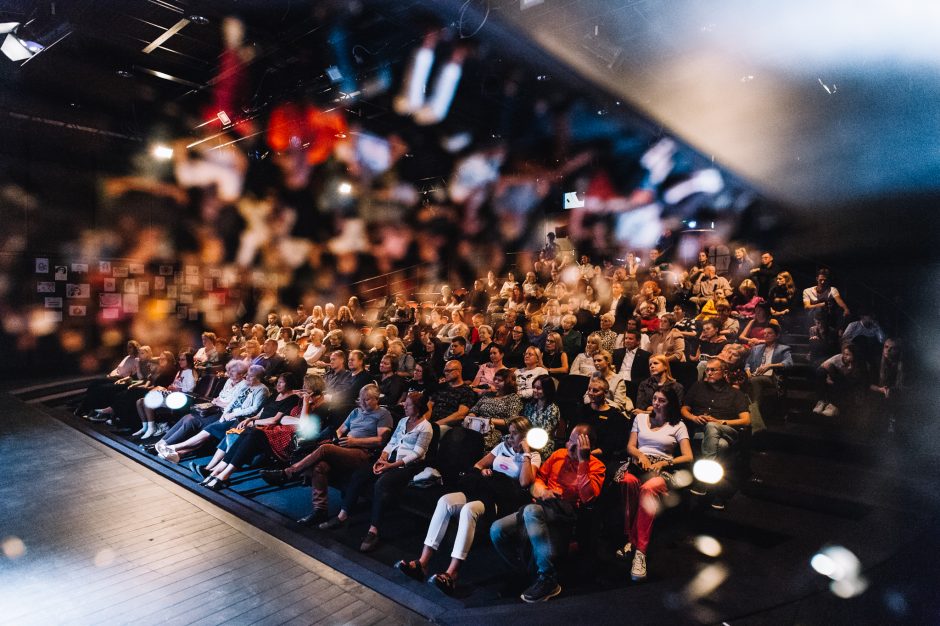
x=717 y=439
x=507 y=535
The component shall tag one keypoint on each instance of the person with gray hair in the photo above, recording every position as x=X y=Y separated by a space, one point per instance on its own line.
x=358 y=440
x=248 y=402
x=193 y=422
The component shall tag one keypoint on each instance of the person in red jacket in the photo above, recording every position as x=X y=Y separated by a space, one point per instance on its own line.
x=567 y=480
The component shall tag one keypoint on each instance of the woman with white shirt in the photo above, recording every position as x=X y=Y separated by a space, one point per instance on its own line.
x=533 y=368
x=583 y=364
x=247 y=403
x=192 y=423
x=647 y=476
x=501 y=487
x=400 y=460
x=184 y=382
x=316 y=349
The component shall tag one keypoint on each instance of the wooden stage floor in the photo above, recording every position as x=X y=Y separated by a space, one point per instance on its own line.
x=91 y=537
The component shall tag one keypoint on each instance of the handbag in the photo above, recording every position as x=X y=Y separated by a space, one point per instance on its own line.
x=205 y=409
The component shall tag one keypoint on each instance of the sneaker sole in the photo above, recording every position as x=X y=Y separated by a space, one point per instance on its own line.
x=543 y=598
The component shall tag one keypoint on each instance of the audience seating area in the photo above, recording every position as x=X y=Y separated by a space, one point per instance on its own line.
x=580 y=302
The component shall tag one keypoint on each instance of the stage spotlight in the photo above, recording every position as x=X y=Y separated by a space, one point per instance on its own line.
x=536 y=438
x=153 y=399
x=176 y=400
x=162 y=152
x=708 y=471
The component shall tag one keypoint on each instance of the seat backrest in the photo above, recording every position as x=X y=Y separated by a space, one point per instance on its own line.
x=458 y=450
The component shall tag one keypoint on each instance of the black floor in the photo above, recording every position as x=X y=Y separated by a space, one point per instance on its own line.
x=814 y=484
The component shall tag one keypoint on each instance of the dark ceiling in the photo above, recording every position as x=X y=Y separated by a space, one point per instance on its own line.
x=817 y=105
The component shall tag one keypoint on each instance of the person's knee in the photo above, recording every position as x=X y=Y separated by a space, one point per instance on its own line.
x=532 y=513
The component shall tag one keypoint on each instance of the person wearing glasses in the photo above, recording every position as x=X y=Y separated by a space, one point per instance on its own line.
x=718 y=410
x=452 y=401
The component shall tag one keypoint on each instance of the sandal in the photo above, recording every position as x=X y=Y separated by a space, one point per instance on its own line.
x=444 y=583
x=624 y=552
x=411 y=569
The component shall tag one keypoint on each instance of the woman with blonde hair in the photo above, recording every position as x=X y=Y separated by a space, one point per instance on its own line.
x=660 y=378
x=583 y=364
x=746 y=299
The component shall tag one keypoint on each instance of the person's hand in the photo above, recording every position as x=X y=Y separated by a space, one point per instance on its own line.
x=658 y=466
x=486 y=472
x=644 y=462
x=584 y=447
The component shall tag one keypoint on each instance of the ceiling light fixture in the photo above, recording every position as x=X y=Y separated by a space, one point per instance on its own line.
x=159 y=41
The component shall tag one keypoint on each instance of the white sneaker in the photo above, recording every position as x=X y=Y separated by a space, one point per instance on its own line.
x=638 y=569
x=830 y=411
x=820 y=407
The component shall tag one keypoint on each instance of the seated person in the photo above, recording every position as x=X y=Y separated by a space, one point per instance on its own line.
x=610 y=424
x=715 y=408
x=646 y=477
x=356 y=443
x=660 y=378
x=505 y=475
x=485 y=380
x=583 y=364
x=248 y=402
x=452 y=400
x=238 y=448
x=616 y=385
x=400 y=460
x=532 y=368
x=764 y=364
x=841 y=382
x=499 y=407
x=567 y=480
x=191 y=424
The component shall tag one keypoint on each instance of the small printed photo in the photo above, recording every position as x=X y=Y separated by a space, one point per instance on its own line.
x=166 y=270
x=143 y=288
x=109 y=299
x=42 y=265
x=135 y=268
x=45 y=287
x=80 y=290
x=109 y=284
x=61 y=272
x=120 y=271
x=159 y=282
x=110 y=314
x=104 y=267
x=130 y=286
x=53 y=303
x=77 y=310
x=79 y=268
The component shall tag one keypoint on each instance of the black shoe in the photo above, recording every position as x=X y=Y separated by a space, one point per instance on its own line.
x=275 y=478
x=314 y=519
x=544 y=588
x=333 y=523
